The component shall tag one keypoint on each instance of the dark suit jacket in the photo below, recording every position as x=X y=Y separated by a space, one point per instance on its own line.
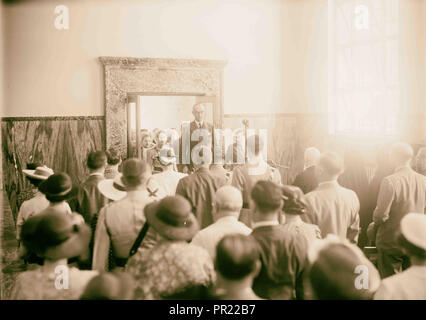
x=284 y=261
x=199 y=189
x=89 y=199
x=192 y=127
x=306 y=180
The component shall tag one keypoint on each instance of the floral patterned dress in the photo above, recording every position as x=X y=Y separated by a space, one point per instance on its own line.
x=168 y=268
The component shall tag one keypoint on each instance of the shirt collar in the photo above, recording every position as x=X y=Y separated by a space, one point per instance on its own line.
x=404 y=167
x=331 y=183
x=227 y=219
x=265 y=224
x=199 y=124
x=96 y=174
x=202 y=170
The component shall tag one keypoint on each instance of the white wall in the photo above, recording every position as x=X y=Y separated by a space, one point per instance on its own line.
x=51 y=72
x=276 y=51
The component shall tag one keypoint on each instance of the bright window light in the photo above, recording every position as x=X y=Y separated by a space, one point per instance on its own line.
x=363 y=67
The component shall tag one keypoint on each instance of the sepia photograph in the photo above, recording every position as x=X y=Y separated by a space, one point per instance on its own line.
x=213 y=154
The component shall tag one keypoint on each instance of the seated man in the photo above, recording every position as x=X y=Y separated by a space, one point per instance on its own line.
x=283 y=254
x=237 y=264
x=228 y=203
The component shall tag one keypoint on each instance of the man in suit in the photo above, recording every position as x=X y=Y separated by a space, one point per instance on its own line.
x=306 y=180
x=89 y=199
x=200 y=187
x=402 y=192
x=199 y=131
x=331 y=207
x=283 y=254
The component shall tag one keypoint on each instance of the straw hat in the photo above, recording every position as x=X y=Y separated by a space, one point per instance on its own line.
x=40 y=173
x=113 y=189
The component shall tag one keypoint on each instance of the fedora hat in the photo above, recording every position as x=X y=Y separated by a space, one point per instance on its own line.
x=54 y=235
x=172 y=218
x=39 y=173
x=58 y=187
x=113 y=189
x=110 y=286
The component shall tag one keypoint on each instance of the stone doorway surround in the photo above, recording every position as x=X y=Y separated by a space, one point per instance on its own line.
x=125 y=78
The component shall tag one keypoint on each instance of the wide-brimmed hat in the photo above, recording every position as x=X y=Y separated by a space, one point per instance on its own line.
x=113 y=189
x=172 y=218
x=294 y=200
x=340 y=271
x=413 y=230
x=39 y=173
x=110 y=286
x=166 y=156
x=58 y=187
x=53 y=234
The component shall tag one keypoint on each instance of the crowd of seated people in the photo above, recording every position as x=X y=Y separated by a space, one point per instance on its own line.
x=139 y=229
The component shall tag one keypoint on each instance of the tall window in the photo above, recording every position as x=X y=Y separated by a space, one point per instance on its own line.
x=363 y=67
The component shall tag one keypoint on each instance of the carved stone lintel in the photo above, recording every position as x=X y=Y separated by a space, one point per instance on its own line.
x=126 y=76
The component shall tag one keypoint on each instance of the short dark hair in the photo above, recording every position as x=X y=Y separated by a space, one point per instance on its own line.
x=267 y=195
x=113 y=157
x=96 y=160
x=236 y=256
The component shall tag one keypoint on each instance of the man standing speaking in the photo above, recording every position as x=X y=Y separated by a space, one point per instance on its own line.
x=199 y=130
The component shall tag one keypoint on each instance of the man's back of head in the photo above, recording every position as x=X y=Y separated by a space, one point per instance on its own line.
x=266 y=197
x=237 y=257
x=329 y=166
x=228 y=202
x=135 y=173
x=96 y=160
x=401 y=153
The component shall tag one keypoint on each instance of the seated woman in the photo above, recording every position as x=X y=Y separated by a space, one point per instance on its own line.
x=54 y=236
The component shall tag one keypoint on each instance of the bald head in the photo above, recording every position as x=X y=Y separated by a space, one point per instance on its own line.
x=311 y=156
x=401 y=153
x=229 y=201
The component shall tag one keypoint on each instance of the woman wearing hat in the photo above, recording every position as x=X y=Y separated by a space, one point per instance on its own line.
x=173 y=265
x=294 y=207
x=35 y=174
x=54 y=236
x=58 y=189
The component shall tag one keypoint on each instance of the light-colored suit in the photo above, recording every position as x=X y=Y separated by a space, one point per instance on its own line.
x=334 y=209
x=400 y=193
